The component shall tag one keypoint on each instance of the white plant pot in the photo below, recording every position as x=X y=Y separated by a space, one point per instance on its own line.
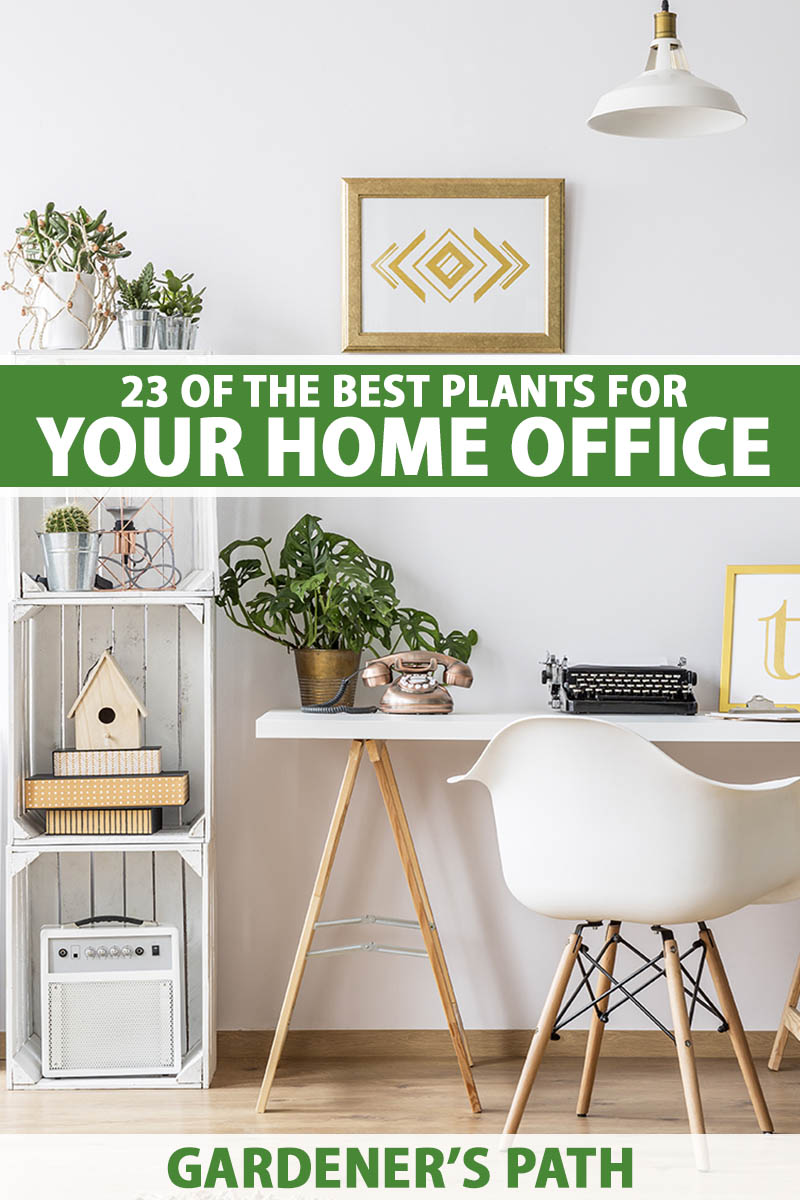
x=67 y=299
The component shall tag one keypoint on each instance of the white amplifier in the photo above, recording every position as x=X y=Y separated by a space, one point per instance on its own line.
x=111 y=999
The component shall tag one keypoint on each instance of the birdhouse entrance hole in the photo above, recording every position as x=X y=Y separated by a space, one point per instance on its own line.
x=106 y=715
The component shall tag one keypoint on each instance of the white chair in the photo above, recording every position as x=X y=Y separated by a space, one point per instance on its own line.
x=595 y=823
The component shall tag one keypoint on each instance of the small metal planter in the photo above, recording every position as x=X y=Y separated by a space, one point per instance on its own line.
x=137 y=327
x=70 y=560
x=320 y=674
x=176 y=333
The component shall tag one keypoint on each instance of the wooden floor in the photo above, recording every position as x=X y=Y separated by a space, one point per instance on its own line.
x=370 y=1093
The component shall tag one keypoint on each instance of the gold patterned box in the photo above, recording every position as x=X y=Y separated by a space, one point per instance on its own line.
x=103 y=821
x=144 y=761
x=107 y=791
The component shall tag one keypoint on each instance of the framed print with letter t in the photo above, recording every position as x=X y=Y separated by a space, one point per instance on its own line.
x=454 y=265
x=761 y=638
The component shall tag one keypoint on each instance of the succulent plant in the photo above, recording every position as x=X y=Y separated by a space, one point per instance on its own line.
x=177 y=299
x=138 y=293
x=69 y=241
x=71 y=518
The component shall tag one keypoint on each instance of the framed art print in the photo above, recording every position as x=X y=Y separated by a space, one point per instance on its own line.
x=454 y=265
x=761 y=636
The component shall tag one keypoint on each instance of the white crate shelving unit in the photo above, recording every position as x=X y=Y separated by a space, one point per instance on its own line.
x=164 y=642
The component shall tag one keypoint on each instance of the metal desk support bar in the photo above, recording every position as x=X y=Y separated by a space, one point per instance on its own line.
x=425 y=923
x=407 y=950
x=368 y=919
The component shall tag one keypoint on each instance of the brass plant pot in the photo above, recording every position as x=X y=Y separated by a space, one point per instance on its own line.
x=320 y=674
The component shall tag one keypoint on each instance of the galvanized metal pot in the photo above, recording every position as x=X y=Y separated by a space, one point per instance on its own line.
x=176 y=333
x=320 y=674
x=70 y=560
x=137 y=327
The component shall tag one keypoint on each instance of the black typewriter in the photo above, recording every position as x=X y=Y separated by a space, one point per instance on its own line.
x=592 y=689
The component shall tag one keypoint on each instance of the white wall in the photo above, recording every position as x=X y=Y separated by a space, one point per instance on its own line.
x=217 y=135
x=602 y=580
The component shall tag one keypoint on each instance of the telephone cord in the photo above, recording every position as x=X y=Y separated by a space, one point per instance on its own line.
x=332 y=705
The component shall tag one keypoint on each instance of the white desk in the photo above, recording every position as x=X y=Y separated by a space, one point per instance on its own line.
x=481 y=727
x=371 y=731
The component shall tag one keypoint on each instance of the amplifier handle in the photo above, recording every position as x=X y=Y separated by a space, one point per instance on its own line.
x=104 y=920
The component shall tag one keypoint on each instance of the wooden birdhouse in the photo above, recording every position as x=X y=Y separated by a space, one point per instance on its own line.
x=107 y=712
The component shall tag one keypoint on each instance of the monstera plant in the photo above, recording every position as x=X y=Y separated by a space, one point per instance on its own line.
x=326 y=594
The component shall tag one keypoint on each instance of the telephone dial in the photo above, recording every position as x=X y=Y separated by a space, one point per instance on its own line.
x=416 y=690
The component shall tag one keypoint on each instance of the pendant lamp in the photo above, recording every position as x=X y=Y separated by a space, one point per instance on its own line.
x=666 y=100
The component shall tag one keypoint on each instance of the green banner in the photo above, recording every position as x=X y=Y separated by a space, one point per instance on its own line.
x=352 y=426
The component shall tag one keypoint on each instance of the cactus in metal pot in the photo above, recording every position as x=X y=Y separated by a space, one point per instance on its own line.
x=140 y=292
x=71 y=518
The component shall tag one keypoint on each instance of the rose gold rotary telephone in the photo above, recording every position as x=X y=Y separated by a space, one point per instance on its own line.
x=416 y=691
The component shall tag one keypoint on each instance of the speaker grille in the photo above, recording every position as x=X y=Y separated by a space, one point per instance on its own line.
x=111 y=1025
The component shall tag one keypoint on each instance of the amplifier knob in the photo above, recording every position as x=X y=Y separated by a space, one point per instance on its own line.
x=102 y=952
x=114 y=951
x=126 y=952
x=90 y=952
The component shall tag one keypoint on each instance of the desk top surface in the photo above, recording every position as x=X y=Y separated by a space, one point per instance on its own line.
x=481 y=727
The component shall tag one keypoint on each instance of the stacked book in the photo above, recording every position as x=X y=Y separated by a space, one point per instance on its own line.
x=106 y=791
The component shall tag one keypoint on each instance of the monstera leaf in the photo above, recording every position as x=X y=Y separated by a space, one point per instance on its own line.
x=305 y=550
x=327 y=594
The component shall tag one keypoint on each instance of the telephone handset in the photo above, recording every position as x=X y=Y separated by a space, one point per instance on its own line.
x=416 y=690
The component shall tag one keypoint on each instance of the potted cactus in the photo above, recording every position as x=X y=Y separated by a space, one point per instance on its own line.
x=180 y=307
x=137 y=312
x=70 y=548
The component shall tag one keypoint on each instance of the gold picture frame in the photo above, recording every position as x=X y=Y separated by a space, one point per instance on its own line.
x=770 y=642
x=458 y=259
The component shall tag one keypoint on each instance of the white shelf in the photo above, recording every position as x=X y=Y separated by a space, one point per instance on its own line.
x=189 y=1076
x=131 y=1082
x=199 y=585
x=114 y=596
x=164 y=839
x=164 y=640
x=111 y=356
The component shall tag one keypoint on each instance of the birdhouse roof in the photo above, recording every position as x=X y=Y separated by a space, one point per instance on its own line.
x=106 y=662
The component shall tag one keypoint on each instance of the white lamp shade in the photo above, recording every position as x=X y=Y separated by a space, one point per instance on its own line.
x=666 y=101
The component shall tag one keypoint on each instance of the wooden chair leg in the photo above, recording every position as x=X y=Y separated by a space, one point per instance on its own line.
x=683 y=1034
x=790 y=1022
x=597 y=1027
x=312 y=916
x=541 y=1035
x=738 y=1037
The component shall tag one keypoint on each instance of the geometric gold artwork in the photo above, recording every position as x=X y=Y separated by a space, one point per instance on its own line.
x=464 y=266
x=451 y=264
